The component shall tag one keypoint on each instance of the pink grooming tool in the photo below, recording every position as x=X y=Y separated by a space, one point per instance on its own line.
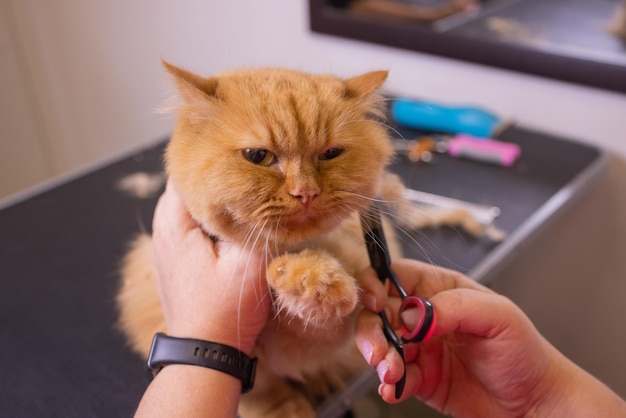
x=485 y=150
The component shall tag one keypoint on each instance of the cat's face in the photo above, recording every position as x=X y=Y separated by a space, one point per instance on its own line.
x=272 y=157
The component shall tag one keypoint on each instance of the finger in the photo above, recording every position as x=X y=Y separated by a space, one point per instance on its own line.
x=373 y=293
x=392 y=308
x=247 y=263
x=171 y=212
x=391 y=368
x=370 y=338
x=387 y=391
x=473 y=312
x=423 y=374
x=429 y=365
x=426 y=280
x=376 y=349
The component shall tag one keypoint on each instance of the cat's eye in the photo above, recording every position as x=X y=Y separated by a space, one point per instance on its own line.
x=259 y=156
x=331 y=153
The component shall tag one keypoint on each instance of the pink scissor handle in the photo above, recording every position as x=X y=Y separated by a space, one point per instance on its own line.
x=426 y=319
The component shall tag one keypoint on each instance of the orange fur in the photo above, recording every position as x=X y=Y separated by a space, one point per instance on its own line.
x=301 y=208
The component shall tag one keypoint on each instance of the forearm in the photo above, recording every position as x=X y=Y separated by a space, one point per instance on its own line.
x=183 y=391
x=576 y=393
x=596 y=399
x=590 y=397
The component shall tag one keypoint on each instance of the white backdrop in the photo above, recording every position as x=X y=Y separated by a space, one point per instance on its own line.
x=95 y=68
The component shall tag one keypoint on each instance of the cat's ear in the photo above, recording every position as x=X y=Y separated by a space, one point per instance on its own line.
x=364 y=84
x=193 y=88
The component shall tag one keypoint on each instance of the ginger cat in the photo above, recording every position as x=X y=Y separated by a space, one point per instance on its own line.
x=281 y=160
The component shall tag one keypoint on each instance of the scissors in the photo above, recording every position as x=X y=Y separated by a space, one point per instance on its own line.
x=381 y=262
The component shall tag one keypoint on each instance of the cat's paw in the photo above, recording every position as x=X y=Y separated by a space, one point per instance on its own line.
x=313 y=286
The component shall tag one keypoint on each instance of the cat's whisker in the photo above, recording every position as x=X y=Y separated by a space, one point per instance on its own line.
x=371 y=234
x=381 y=100
x=276 y=249
x=397 y=133
x=383 y=123
x=285 y=119
x=368 y=198
x=257 y=231
x=267 y=256
x=248 y=247
x=407 y=235
x=338 y=218
x=277 y=309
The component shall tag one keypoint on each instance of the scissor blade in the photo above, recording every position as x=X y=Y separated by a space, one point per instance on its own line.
x=381 y=261
x=397 y=344
x=375 y=241
x=400 y=384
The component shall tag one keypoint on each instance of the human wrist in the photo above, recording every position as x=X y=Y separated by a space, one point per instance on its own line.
x=587 y=396
x=573 y=392
x=226 y=334
x=548 y=399
x=167 y=350
x=201 y=387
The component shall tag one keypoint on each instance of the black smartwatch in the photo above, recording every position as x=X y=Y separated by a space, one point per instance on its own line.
x=171 y=350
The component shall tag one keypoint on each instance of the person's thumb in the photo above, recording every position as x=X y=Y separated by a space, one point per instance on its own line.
x=474 y=312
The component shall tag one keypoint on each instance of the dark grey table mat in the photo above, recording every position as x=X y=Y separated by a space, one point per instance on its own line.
x=60 y=351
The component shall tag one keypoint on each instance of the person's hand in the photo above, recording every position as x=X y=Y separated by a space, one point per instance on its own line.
x=485 y=357
x=209 y=291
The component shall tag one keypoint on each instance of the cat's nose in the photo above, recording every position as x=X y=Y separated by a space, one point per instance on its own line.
x=306 y=196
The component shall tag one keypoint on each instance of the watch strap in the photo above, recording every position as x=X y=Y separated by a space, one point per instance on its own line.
x=172 y=350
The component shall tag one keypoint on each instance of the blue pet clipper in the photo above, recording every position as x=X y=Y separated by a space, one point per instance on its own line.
x=430 y=116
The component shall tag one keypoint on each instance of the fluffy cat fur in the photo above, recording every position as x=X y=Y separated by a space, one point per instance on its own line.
x=300 y=204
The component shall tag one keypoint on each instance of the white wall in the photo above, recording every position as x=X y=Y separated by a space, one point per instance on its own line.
x=23 y=160
x=93 y=68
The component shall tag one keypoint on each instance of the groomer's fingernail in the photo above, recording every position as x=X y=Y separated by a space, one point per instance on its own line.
x=367 y=350
x=380 y=389
x=410 y=317
x=382 y=369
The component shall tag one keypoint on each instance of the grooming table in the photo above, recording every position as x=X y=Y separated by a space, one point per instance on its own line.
x=61 y=244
